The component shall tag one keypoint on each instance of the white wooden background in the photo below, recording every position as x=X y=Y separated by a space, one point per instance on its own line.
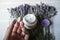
x=5 y=16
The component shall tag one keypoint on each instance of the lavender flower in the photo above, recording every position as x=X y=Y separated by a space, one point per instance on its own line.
x=21 y=10
x=46 y=22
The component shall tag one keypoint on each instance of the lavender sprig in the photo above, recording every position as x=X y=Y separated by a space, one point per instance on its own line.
x=42 y=10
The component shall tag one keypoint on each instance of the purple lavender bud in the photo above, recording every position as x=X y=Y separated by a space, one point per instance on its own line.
x=45 y=22
x=21 y=6
x=27 y=6
x=14 y=21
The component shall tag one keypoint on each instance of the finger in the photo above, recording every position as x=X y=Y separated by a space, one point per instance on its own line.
x=23 y=28
x=26 y=37
x=19 y=29
x=14 y=31
x=22 y=34
x=21 y=24
x=9 y=30
x=16 y=26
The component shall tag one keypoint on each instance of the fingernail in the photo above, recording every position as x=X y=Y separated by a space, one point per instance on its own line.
x=22 y=33
x=19 y=19
x=26 y=37
x=14 y=21
x=23 y=29
x=21 y=24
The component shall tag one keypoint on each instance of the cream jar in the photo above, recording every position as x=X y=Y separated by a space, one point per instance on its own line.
x=30 y=21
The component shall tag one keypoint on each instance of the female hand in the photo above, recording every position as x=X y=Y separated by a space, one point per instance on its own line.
x=16 y=31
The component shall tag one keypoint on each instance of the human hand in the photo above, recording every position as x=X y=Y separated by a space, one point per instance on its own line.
x=16 y=31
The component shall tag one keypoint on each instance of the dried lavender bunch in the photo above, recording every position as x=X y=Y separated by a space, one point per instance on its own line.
x=42 y=10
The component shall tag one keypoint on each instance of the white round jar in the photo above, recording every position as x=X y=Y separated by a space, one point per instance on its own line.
x=30 y=21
